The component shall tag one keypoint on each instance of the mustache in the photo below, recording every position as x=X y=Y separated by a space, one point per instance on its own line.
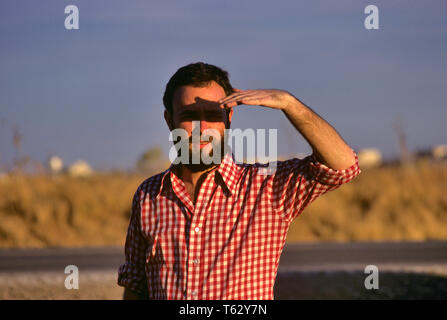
x=210 y=139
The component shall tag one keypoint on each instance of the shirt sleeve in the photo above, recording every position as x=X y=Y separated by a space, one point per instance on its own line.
x=132 y=273
x=298 y=182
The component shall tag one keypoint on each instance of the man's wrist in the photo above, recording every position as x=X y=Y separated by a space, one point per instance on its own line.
x=295 y=107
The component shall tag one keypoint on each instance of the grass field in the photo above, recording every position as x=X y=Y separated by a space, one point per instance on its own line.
x=388 y=203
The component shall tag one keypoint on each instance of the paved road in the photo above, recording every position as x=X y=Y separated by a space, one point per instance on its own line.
x=297 y=257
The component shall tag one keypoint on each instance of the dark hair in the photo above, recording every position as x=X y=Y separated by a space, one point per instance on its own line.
x=197 y=75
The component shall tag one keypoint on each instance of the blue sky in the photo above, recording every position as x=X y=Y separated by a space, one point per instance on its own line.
x=96 y=93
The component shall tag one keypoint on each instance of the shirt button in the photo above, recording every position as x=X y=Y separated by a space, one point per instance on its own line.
x=197 y=229
x=194 y=293
x=195 y=261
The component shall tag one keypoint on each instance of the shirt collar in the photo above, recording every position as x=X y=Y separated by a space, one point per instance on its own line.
x=227 y=173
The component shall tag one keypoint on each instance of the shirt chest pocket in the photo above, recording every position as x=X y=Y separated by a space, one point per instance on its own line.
x=163 y=226
x=164 y=240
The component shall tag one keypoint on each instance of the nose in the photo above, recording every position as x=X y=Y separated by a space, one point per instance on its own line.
x=203 y=125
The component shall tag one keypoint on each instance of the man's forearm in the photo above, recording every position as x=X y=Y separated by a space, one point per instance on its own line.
x=327 y=144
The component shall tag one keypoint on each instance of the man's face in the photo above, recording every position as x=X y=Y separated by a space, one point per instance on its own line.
x=199 y=104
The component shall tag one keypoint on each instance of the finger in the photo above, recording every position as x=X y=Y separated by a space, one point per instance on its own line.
x=232 y=103
x=237 y=92
x=258 y=100
x=236 y=96
x=241 y=100
x=229 y=105
x=231 y=96
x=254 y=100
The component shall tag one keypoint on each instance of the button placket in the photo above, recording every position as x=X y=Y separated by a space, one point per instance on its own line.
x=194 y=251
x=195 y=241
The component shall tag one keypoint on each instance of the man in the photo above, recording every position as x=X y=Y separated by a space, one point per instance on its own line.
x=216 y=231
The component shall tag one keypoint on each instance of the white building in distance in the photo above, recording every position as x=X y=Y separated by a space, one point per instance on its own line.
x=80 y=169
x=369 y=158
x=55 y=164
x=439 y=152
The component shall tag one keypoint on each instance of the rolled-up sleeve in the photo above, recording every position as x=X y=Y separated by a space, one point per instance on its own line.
x=298 y=182
x=132 y=273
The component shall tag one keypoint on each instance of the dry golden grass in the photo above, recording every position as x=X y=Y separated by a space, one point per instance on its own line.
x=65 y=211
x=390 y=203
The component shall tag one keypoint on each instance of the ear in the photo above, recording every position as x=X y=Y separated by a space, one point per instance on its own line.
x=168 y=119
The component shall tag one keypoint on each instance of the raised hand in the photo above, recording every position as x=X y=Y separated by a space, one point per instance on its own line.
x=271 y=98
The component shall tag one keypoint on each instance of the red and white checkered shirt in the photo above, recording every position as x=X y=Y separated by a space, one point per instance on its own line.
x=227 y=245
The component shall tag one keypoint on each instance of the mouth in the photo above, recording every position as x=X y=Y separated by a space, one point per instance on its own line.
x=202 y=144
